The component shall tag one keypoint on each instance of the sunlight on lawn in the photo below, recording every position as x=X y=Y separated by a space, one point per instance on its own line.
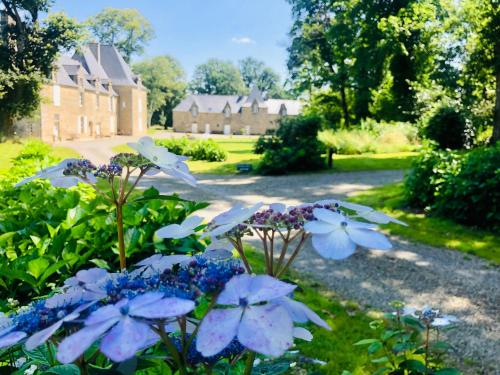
x=433 y=231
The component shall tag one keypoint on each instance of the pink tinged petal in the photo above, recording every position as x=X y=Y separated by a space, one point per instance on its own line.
x=125 y=339
x=335 y=245
x=173 y=231
x=266 y=288
x=165 y=308
x=105 y=313
x=75 y=345
x=11 y=338
x=320 y=227
x=302 y=333
x=266 y=329
x=217 y=330
x=369 y=238
x=300 y=313
x=235 y=289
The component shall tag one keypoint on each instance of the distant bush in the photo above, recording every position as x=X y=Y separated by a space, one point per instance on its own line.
x=462 y=186
x=295 y=147
x=371 y=137
x=449 y=128
x=203 y=149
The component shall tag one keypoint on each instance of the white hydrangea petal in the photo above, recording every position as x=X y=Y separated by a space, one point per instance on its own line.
x=236 y=288
x=65 y=181
x=149 y=260
x=302 y=333
x=192 y=222
x=278 y=207
x=380 y=218
x=217 y=254
x=320 y=227
x=355 y=207
x=266 y=329
x=220 y=230
x=330 y=202
x=91 y=275
x=42 y=336
x=301 y=313
x=369 y=238
x=125 y=339
x=173 y=231
x=217 y=330
x=328 y=216
x=266 y=288
x=335 y=245
x=105 y=313
x=144 y=300
x=227 y=216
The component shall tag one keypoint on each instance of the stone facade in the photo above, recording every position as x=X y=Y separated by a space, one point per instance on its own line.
x=232 y=114
x=93 y=94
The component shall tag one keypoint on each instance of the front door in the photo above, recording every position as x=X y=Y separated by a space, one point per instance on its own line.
x=194 y=128
x=207 y=128
x=227 y=129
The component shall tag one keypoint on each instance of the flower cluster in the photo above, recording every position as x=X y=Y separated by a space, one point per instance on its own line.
x=430 y=317
x=109 y=171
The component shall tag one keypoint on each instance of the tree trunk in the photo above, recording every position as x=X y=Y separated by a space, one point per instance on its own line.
x=496 y=120
x=6 y=125
x=345 y=109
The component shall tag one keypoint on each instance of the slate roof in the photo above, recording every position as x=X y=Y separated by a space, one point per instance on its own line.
x=99 y=64
x=217 y=103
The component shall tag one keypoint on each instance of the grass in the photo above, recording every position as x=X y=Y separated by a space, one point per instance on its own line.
x=430 y=230
x=9 y=150
x=240 y=150
x=349 y=325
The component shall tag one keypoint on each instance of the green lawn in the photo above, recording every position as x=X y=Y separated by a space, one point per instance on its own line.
x=430 y=230
x=240 y=150
x=9 y=150
x=349 y=325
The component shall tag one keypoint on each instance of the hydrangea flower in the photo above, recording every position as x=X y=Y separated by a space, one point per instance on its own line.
x=157 y=264
x=266 y=328
x=334 y=236
x=56 y=175
x=230 y=219
x=168 y=162
x=186 y=228
x=8 y=334
x=430 y=316
x=122 y=326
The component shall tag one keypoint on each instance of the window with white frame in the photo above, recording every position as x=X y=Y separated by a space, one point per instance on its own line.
x=57 y=95
x=227 y=111
x=194 y=110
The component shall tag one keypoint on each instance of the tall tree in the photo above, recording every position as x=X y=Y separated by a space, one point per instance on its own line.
x=217 y=77
x=165 y=80
x=255 y=72
x=28 y=49
x=483 y=18
x=127 y=29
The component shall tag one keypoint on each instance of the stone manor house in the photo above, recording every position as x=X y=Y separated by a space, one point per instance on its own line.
x=92 y=94
x=232 y=114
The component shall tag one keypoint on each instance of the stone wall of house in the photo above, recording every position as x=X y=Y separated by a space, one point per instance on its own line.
x=244 y=122
x=96 y=117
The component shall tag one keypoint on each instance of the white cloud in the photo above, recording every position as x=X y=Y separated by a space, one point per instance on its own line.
x=243 y=40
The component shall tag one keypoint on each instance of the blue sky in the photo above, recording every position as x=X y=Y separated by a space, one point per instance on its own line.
x=195 y=30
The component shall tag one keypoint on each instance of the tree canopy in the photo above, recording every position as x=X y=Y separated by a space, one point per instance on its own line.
x=27 y=52
x=217 y=77
x=127 y=29
x=255 y=72
x=165 y=80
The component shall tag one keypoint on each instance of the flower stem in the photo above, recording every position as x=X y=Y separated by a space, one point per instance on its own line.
x=292 y=257
x=249 y=364
x=121 y=238
x=171 y=348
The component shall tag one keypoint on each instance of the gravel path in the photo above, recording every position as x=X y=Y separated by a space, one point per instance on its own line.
x=419 y=275
x=465 y=286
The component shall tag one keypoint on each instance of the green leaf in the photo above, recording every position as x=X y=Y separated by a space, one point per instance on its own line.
x=447 y=371
x=37 y=267
x=414 y=365
x=375 y=347
x=64 y=370
x=366 y=342
x=380 y=360
x=100 y=263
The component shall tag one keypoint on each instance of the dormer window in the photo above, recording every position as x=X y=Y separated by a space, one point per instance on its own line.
x=255 y=107
x=194 y=110
x=283 y=111
x=227 y=111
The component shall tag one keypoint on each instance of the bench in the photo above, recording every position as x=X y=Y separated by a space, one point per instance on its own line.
x=244 y=168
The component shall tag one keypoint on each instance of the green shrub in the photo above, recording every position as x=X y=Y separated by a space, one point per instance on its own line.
x=471 y=195
x=203 y=149
x=294 y=148
x=371 y=137
x=449 y=128
x=462 y=186
x=47 y=234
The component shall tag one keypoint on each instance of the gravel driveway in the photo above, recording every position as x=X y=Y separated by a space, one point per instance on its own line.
x=419 y=275
x=465 y=286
